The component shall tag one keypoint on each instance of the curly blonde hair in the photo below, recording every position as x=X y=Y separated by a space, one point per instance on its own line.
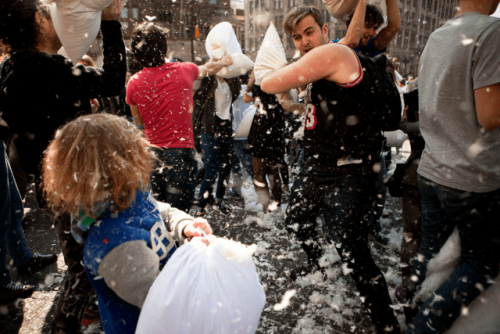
x=92 y=159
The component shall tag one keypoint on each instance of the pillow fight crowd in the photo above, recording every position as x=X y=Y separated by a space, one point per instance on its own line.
x=115 y=192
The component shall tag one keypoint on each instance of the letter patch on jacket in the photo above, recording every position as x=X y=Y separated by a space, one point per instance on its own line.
x=161 y=241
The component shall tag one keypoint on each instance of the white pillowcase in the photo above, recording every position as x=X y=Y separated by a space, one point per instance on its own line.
x=341 y=9
x=77 y=23
x=223 y=39
x=271 y=55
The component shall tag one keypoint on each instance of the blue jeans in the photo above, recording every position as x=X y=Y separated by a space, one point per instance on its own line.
x=345 y=202
x=173 y=180
x=217 y=149
x=241 y=161
x=240 y=158
x=11 y=213
x=476 y=217
x=381 y=190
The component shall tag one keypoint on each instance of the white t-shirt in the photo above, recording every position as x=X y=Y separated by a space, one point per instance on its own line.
x=222 y=100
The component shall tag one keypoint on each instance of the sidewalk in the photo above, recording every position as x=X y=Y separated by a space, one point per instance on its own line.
x=329 y=306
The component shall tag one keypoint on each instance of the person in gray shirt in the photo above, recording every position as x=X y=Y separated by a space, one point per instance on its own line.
x=459 y=172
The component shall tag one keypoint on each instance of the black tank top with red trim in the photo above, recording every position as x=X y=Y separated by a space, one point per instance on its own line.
x=341 y=124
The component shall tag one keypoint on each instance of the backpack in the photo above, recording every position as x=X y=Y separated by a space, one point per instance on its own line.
x=387 y=102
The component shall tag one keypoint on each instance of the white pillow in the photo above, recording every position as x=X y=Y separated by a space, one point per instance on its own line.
x=271 y=55
x=241 y=65
x=223 y=39
x=341 y=9
x=77 y=23
x=223 y=36
x=246 y=123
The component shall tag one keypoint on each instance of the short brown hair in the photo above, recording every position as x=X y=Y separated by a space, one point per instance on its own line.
x=87 y=61
x=149 y=45
x=92 y=159
x=297 y=14
x=373 y=17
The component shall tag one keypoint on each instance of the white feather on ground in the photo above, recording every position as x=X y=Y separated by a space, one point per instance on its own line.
x=317 y=298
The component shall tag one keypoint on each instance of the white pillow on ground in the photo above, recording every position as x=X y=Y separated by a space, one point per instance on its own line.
x=77 y=23
x=271 y=55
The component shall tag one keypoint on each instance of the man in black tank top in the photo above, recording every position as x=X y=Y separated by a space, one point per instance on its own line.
x=342 y=142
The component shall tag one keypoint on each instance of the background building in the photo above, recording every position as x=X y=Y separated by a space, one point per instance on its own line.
x=258 y=15
x=251 y=18
x=181 y=19
x=419 y=18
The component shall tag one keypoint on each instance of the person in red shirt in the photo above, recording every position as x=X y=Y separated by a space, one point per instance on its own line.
x=161 y=98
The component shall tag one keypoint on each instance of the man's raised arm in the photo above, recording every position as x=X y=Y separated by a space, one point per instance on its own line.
x=355 y=30
x=332 y=62
x=386 y=35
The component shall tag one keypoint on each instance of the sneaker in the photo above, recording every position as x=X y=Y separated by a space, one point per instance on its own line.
x=14 y=291
x=61 y=330
x=234 y=194
x=411 y=311
x=211 y=200
x=379 y=239
x=200 y=214
x=302 y=271
x=326 y=236
x=398 y=293
x=91 y=315
x=222 y=208
x=36 y=263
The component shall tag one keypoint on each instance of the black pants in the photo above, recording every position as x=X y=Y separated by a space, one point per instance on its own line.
x=19 y=174
x=173 y=178
x=77 y=290
x=412 y=215
x=346 y=202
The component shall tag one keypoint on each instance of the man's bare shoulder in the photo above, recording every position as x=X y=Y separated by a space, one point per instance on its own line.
x=334 y=51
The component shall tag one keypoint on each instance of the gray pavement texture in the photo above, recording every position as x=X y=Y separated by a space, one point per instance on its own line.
x=334 y=308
